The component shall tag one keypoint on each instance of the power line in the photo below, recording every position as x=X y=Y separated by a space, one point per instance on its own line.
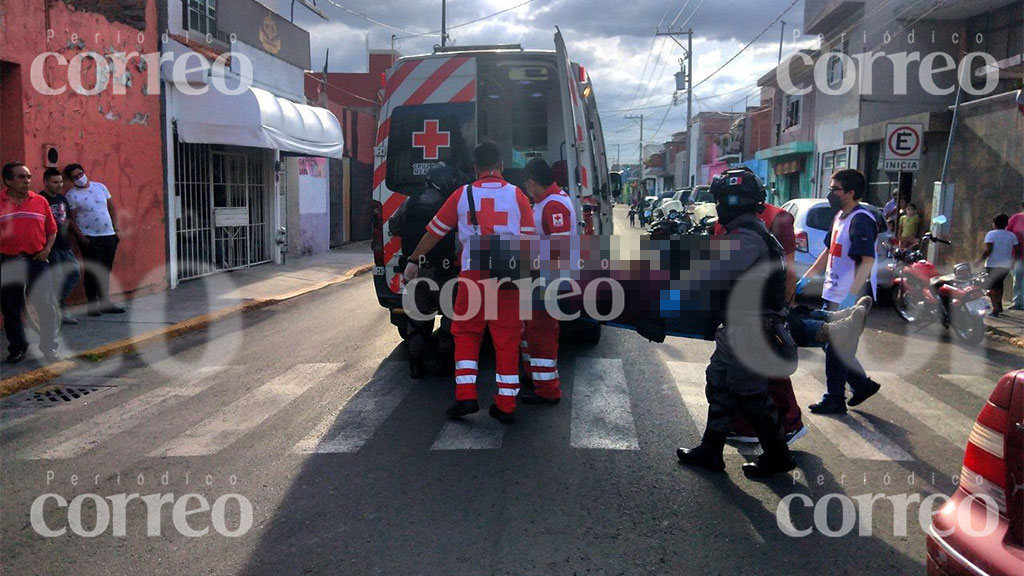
x=412 y=34
x=339 y=88
x=749 y=44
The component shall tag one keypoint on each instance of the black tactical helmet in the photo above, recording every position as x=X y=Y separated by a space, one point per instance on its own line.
x=738 y=187
x=444 y=178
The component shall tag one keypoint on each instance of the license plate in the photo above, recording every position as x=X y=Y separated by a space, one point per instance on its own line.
x=979 y=306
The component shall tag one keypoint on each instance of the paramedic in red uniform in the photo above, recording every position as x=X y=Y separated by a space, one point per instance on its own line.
x=780 y=224
x=503 y=210
x=554 y=217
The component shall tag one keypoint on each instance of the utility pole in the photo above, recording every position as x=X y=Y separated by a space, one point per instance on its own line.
x=687 y=77
x=444 y=23
x=687 y=70
x=782 y=38
x=641 y=119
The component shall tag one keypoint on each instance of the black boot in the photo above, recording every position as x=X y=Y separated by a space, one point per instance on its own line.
x=706 y=455
x=462 y=408
x=776 y=458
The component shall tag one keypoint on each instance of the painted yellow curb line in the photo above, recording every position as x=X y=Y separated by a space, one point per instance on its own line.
x=44 y=374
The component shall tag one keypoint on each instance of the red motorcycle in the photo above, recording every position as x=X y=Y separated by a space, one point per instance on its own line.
x=923 y=296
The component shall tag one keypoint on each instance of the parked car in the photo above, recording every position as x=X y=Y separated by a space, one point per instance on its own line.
x=702 y=203
x=672 y=200
x=980 y=531
x=812 y=223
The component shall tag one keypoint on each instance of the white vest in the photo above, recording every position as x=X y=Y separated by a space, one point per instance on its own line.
x=544 y=244
x=841 y=269
x=505 y=223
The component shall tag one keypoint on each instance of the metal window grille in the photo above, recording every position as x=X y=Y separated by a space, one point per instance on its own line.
x=220 y=205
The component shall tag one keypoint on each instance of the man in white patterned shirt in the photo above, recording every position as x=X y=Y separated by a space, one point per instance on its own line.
x=96 y=220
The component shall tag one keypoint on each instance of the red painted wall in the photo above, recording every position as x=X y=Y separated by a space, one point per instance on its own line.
x=117 y=138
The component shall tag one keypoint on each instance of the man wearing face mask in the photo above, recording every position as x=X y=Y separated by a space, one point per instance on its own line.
x=848 y=263
x=96 y=221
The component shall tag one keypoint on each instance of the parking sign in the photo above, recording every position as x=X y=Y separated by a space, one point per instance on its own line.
x=903 y=144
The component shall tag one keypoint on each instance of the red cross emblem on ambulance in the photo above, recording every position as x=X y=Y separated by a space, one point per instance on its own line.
x=431 y=139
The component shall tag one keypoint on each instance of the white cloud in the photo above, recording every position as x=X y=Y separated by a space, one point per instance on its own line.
x=612 y=39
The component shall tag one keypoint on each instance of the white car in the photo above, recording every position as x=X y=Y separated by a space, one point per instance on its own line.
x=812 y=223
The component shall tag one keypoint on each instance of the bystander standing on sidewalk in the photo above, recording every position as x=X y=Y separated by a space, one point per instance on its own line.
x=910 y=226
x=891 y=211
x=96 y=222
x=1016 y=225
x=998 y=258
x=63 y=264
x=27 y=232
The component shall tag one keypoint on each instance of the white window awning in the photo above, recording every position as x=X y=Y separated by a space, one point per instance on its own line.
x=258 y=119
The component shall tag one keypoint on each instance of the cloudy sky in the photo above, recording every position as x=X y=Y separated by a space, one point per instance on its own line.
x=632 y=70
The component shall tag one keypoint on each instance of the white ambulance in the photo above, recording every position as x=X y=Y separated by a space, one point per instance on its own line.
x=437 y=107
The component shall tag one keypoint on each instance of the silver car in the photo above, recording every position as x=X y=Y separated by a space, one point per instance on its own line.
x=812 y=223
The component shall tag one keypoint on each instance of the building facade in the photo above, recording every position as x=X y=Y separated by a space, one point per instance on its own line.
x=247 y=159
x=106 y=118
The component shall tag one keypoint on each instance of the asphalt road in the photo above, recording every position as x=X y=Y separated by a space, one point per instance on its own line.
x=304 y=411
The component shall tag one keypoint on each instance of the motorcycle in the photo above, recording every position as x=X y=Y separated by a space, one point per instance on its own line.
x=923 y=296
x=680 y=224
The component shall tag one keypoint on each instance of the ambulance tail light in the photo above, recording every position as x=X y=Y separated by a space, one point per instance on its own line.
x=377 y=242
x=801 y=242
x=583 y=75
x=994 y=459
x=383 y=79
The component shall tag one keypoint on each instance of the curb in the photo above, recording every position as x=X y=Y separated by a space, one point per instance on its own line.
x=21 y=382
x=1015 y=338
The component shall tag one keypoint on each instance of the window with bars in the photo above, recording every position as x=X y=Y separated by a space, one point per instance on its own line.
x=200 y=16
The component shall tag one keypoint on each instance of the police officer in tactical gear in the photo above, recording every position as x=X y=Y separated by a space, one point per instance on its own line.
x=440 y=264
x=755 y=259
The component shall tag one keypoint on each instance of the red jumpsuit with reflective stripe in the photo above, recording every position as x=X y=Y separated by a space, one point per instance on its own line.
x=502 y=210
x=554 y=216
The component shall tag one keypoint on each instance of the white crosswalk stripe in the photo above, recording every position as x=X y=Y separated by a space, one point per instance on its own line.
x=939 y=417
x=470 y=434
x=853 y=434
x=601 y=414
x=978 y=385
x=102 y=427
x=234 y=421
x=357 y=416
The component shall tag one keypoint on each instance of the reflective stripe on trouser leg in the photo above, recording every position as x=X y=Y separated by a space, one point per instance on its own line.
x=542 y=337
x=467 y=334
x=506 y=333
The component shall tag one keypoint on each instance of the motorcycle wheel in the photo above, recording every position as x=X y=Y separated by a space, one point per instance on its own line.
x=968 y=328
x=906 y=308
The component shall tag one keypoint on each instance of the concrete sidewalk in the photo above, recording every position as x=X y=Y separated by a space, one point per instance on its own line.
x=1009 y=324
x=191 y=306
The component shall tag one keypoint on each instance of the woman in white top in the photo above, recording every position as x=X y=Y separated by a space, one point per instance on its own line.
x=998 y=257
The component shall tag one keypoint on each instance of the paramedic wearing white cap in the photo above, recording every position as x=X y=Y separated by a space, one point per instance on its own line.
x=554 y=216
x=499 y=209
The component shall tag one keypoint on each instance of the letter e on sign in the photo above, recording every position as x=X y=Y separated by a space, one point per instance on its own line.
x=903 y=143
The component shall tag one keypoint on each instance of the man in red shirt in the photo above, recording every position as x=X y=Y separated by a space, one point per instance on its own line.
x=27 y=233
x=554 y=218
x=780 y=224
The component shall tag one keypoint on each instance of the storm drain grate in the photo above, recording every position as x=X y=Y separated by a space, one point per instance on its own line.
x=62 y=394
